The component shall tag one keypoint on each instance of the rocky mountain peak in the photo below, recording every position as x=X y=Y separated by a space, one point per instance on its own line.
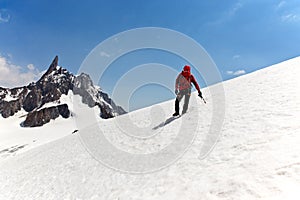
x=52 y=68
x=54 y=83
x=83 y=81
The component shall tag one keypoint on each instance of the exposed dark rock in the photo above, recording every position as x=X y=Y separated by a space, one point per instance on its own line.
x=10 y=108
x=55 y=82
x=51 y=68
x=64 y=110
x=3 y=92
x=82 y=85
x=43 y=116
x=32 y=100
x=49 y=88
x=119 y=109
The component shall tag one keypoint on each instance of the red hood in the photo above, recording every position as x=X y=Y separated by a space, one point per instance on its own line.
x=186 y=72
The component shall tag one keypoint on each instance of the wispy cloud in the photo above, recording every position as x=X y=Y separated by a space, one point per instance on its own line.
x=236 y=73
x=104 y=54
x=280 y=5
x=228 y=14
x=12 y=75
x=290 y=17
x=4 y=16
x=288 y=12
x=234 y=9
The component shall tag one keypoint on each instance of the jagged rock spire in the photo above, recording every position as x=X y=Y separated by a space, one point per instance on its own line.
x=51 y=68
x=49 y=88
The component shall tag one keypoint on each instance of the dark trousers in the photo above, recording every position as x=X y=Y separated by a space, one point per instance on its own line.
x=187 y=94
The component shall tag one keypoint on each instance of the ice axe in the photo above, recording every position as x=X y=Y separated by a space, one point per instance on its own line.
x=200 y=95
x=203 y=100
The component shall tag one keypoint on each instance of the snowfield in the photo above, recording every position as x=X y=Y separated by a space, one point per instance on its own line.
x=257 y=155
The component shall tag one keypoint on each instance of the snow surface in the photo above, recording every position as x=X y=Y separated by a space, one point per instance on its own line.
x=9 y=98
x=256 y=157
x=15 y=139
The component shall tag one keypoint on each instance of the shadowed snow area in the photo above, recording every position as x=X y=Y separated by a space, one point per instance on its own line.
x=256 y=156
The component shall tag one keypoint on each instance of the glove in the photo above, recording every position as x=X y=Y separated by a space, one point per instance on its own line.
x=176 y=91
x=200 y=94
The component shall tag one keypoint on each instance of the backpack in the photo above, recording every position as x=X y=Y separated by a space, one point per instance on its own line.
x=185 y=81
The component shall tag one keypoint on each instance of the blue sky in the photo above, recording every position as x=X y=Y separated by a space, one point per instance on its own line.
x=240 y=35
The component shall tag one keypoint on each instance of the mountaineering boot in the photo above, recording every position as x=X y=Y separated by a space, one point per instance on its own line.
x=175 y=114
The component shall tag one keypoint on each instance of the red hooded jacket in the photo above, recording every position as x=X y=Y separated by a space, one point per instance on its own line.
x=185 y=78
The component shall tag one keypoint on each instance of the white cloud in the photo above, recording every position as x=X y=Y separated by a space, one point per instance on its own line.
x=288 y=12
x=236 y=73
x=31 y=67
x=104 y=54
x=239 y=72
x=12 y=75
x=4 y=16
x=290 y=18
x=235 y=8
x=280 y=5
x=227 y=15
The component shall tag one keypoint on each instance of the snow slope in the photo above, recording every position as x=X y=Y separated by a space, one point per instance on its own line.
x=256 y=157
x=15 y=139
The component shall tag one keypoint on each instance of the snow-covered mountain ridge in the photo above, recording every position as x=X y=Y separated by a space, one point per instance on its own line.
x=54 y=83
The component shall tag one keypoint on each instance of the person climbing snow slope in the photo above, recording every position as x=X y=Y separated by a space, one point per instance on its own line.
x=183 y=87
